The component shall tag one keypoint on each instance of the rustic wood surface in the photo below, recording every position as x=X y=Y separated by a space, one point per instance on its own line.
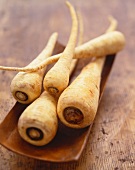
x=25 y=27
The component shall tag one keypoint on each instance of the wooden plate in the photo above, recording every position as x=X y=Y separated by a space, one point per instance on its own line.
x=67 y=145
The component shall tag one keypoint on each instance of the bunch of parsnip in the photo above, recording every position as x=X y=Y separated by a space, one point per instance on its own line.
x=74 y=104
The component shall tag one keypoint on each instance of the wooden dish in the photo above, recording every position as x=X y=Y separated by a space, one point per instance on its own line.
x=67 y=145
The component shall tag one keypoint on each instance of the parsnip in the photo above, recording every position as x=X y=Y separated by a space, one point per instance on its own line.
x=38 y=123
x=26 y=87
x=77 y=105
x=57 y=78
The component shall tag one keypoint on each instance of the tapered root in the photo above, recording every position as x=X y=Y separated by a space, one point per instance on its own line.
x=26 y=87
x=38 y=123
x=57 y=78
x=78 y=104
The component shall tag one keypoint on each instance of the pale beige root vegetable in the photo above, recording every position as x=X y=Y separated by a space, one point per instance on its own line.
x=26 y=87
x=57 y=78
x=77 y=105
x=100 y=46
x=38 y=123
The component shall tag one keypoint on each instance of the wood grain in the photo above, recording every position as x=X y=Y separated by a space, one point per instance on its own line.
x=24 y=30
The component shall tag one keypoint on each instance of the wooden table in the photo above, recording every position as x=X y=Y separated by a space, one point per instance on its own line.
x=25 y=27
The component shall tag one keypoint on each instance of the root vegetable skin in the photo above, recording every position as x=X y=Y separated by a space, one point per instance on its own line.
x=38 y=123
x=83 y=97
x=80 y=41
x=57 y=78
x=26 y=87
x=109 y=43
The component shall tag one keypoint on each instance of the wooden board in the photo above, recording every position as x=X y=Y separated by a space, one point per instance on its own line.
x=24 y=30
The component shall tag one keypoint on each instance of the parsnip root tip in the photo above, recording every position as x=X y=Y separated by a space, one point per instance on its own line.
x=113 y=24
x=68 y=3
